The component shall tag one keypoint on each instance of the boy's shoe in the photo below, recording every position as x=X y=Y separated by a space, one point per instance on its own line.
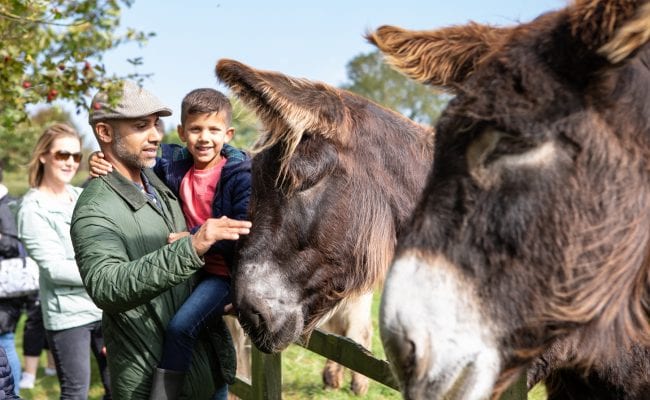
x=27 y=381
x=49 y=371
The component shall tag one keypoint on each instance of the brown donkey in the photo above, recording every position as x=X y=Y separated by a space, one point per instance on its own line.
x=533 y=231
x=334 y=178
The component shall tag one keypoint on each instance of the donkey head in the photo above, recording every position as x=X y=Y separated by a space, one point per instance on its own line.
x=535 y=218
x=334 y=177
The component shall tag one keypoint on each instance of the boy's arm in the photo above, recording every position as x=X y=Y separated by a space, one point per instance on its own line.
x=98 y=166
x=240 y=198
x=169 y=154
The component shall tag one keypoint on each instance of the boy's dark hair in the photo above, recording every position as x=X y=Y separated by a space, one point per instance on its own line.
x=205 y=100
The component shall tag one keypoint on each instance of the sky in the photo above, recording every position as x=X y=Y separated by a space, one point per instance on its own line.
x=306 y=39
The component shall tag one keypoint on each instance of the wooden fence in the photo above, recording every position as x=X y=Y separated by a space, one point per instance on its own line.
x=266 y=370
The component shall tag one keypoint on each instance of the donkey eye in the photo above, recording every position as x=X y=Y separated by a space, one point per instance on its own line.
x=494 y=144
x=482 y=147
x=306 y=137
x=315 y=159
x=494 y=152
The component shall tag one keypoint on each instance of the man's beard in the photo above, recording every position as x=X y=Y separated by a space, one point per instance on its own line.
x=128 y=158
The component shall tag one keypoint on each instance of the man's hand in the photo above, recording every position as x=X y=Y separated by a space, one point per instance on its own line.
x=98 y=166
x=215 y=229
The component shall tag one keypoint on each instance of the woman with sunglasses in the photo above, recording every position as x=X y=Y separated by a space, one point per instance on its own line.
x=71 y=319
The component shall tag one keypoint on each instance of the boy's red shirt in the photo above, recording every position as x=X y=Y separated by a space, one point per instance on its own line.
x=197 y=193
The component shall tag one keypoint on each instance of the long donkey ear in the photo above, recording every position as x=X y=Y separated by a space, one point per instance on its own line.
x=300 y=104
x=443 y=57
x=288 y=107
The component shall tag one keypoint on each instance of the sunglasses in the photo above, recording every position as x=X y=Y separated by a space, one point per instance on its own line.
x=65 y=156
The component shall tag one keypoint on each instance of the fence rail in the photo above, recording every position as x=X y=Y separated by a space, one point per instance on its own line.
x=266 y=370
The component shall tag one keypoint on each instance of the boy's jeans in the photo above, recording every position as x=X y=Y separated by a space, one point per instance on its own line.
x=207 y=300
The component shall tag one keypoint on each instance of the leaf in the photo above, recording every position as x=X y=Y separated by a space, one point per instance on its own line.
x=39 y=36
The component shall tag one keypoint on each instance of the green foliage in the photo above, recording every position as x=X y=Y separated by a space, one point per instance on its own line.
x=52 y=49
x=371 y=77
x=19 y=141
x=171 y=136
x=246 y=125
x=16 y=181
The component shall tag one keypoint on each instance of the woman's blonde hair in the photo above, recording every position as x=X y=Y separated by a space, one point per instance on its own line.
x=43 y=146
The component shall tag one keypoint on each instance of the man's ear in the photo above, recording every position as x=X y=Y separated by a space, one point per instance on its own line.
x=181 y=133
x=230 y=133
x=104 y=132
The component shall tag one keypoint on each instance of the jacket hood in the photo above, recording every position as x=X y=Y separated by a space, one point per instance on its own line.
x=237 y=161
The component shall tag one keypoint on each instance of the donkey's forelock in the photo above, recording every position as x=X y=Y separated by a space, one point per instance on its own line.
x=597 y=23
x=288 y=107
x=631 y=37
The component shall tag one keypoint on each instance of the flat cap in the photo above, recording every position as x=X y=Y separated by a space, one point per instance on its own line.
x=134 y=102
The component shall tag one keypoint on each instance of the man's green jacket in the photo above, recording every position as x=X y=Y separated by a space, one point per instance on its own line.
x=140 y=281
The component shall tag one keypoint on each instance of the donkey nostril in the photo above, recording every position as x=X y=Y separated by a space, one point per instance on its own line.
x=410 y=356
x=407 y=357
x=254 y=319
x=250 y=317
x=421 y=359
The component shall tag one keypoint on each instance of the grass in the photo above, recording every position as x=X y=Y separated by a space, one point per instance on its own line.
x=301 y=373
x=47 y=387
x=301 y=376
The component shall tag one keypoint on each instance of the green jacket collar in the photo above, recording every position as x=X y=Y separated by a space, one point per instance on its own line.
x=130 y=193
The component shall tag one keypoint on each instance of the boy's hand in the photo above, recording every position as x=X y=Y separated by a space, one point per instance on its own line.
x=98 y=166
x=174 y=236
x=215 y=229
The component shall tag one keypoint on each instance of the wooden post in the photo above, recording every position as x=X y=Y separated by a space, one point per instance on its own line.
x=351 y=354
x=266 y=375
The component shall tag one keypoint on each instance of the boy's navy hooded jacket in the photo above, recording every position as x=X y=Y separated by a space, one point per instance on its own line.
x=231 y=195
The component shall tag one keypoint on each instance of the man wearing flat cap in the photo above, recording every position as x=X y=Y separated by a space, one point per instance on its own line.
x=119 y=231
